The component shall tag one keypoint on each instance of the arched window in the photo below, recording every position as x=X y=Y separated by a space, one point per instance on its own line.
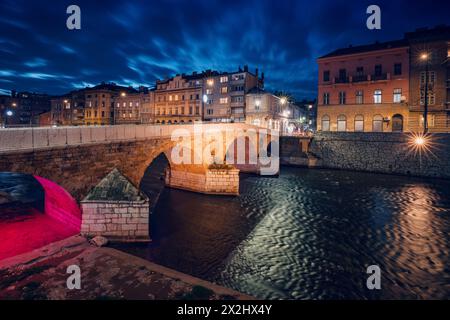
x=342 y=123
x=377 y=125
x=359 y=123
x=326 y=123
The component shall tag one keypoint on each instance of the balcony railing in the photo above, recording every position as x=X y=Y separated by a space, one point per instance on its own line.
x=341 y=80
x=360 y=78
x=376 y=77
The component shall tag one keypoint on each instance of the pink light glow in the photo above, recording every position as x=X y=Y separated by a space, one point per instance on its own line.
x=25 y=229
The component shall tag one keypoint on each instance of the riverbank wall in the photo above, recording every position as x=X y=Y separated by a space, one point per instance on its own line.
x=390 y=153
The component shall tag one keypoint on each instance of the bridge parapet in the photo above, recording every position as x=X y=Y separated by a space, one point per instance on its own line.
x=49 y=137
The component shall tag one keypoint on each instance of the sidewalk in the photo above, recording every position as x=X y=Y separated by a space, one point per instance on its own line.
x=106 y=273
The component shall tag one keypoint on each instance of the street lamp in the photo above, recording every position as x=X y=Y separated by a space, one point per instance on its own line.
x=123 y=94
x=283 y=101
x=425 y=57
x=9 y=113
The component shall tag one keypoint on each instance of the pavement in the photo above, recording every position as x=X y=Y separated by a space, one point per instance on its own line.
x=105 y=274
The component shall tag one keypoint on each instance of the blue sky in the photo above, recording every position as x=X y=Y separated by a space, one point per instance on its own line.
x=137 y=42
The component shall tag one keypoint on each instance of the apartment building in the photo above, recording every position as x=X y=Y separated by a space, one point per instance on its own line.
x=20 y=108
x=382 y=87
x=225 y=94
x=430 y=53
x=68 y=109
x=99 y=103
x=134 y=108
x=179 y=99
x=364 y=88
x=269 y=111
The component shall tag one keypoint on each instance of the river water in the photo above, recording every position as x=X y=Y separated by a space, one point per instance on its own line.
x=310 y=234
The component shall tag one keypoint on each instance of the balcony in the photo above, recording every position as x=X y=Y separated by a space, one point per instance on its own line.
x=360 y=78
x=378 y=77
x=341 y=80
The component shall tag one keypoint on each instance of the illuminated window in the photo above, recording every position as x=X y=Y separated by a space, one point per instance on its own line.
x=325 y=123
x=342 y=97
x=397 y=95
x=223 y=100
x=359 y=123
x=224 y=90
x=209 y=91
x=359 y=97
x=223 y=79
x=326 y=98
x=342 y=123
x=377 y=96
x=377 y=123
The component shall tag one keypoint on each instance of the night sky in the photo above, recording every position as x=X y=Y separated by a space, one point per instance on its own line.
x=135 y=42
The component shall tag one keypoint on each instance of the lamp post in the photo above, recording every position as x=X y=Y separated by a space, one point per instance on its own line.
x=425 y=57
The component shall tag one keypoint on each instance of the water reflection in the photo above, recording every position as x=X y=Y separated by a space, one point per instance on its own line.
x=310 y=234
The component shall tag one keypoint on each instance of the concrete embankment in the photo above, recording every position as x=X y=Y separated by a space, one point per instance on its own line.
x=106 y=273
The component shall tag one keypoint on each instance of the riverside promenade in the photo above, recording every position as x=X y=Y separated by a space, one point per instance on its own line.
x=106 y=274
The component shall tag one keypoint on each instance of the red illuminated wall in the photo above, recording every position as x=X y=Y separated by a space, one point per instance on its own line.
x=60 y=205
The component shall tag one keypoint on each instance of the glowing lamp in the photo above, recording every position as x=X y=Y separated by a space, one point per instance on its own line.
x=9 y=113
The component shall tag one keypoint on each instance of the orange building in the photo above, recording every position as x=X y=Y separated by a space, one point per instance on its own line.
x=364 y=88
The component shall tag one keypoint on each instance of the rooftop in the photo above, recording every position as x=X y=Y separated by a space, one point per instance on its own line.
x=367 y=48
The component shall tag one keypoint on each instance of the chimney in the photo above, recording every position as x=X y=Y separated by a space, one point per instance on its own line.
x=246 y=68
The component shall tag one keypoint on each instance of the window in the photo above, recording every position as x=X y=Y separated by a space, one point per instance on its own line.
x=103 y=114
x=325 y=123
x=359 y=123
x=342 y=123
x=431 y=119
x=223 y=79
x=359 y=97
x=170 y=98
x=431 y=97
x=223 y=100
x=377 y=96
x=397 y=69
x=182 y=110
x=359 y=71
x=377 y=123
x=190 y=110
x=118 y=105
x=237 y=99
x=397 y=95
x=209 y=91
x=326 y=98
x=378 y=70
x=342 y=75
x=209 y=111
x=342 y=97
x=131 y=103
x=256 y=122
x=197 y=110
x=224 y=90
x=326 y=76
x=431 y=77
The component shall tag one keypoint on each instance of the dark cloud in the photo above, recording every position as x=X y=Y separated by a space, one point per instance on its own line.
x=136 y=42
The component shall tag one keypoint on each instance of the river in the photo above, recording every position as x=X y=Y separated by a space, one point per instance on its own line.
x=310 y=234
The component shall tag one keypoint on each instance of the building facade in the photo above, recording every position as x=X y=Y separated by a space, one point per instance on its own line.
x=364 y=88
x=179 y=100
x=20 y=108
x=225 y=94
x=266 y=110
x=430 y=51
x=100 y=103
x=134 y=108
x=382 y=87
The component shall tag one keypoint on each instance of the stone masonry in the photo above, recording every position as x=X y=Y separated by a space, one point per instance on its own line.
x=116 y=210
x=390 y=153
x=212 y=181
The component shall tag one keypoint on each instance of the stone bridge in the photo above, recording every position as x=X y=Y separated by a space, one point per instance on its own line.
x=78 y=158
